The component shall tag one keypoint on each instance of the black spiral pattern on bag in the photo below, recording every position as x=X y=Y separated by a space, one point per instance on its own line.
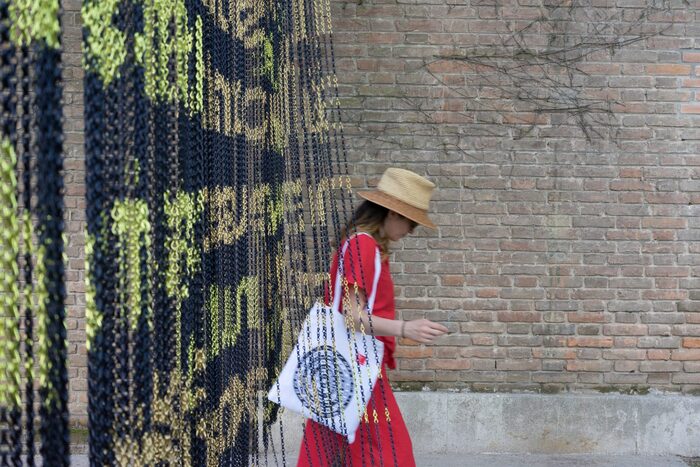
x=321 y=369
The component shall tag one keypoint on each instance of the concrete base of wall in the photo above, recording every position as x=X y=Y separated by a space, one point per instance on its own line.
x=470 y=423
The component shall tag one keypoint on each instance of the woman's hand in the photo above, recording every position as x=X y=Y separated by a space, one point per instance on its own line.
x=423 y=331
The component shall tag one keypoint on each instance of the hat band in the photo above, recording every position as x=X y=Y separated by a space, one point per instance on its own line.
x=392 y=203
x=404 y=198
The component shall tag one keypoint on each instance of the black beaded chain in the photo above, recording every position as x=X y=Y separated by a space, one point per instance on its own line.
x=205 y=357
x=34 y=235
x=11 y=415
x=26 y=138
x=50 y=209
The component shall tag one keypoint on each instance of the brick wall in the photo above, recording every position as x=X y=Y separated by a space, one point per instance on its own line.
x=75 y=208
x=561 y=263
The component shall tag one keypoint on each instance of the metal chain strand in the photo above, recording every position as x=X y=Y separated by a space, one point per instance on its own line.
x=32 y=289
x=10 y=398
x=53 y=388
x=99 y=387
x=26 y=125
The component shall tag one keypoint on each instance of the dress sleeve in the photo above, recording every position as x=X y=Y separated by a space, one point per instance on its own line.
x=358 y=262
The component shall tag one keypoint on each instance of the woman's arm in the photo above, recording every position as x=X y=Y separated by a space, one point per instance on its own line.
x=420 y=330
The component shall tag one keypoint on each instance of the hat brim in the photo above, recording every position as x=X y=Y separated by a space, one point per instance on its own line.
x=415 y=214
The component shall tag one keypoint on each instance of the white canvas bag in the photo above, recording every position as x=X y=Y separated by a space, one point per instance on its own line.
x=331 y=371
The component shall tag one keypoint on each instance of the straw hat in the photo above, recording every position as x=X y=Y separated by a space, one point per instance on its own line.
x=404 y=192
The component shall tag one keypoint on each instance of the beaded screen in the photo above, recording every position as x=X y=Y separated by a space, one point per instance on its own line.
x=33 y=377
x=216 y=183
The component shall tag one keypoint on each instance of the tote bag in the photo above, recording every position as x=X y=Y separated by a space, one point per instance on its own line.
x=331 y=371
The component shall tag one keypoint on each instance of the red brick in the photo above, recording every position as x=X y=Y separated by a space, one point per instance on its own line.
x=454 y=105
x=525 y=281
x=691 y=342
x=367 y=64
x=558 y=353
x=625 y=342
x=668 y=69
x=631 y=185
x=452 y=280
x=519 y=184
x=526 y=119
x=610 y=69
x=664 y=235
x=665 y=294
x=482 y=352
x=664 y=223
x=590 y=341
x=690 y=82
x=625 y=329
x=448 y=352
x=667 y=271
x=451 y=117
x=519 y=317
x=626 y=366
x=482 y=316
x=629 y=172
x=487 y=293
x=592 y=365
x=419 y=25
x=448 y=364
x=666 y=283
x=692 y=57
x=381 y=37
x=690 y=108
x=518 y=245
x=450 y=66
x=518 y=365
x=685 y=354
x=658 y=354
x=483 y=340
x=624 y=354
x=660 y=366
x=413 y=365
x=483 y=364
x=588 y=317
x=413 y=352
x=668 y=198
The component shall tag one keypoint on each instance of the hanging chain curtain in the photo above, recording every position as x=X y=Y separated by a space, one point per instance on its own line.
x=33 y=376
x=216 y=183
x=217 y=187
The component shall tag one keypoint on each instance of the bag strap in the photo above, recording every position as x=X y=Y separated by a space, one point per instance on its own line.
x=338 y=283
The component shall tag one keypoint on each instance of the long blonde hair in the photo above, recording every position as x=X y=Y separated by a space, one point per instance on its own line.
x=369 y=217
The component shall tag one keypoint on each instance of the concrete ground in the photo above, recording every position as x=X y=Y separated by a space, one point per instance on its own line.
x=514 y=460
x=547 y=460
x=613 y=430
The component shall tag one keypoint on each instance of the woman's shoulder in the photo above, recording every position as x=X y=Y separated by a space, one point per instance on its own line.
x=361 y=243
x=362 y=239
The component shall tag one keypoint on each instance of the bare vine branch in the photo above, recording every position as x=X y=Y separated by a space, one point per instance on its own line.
x=546 y=79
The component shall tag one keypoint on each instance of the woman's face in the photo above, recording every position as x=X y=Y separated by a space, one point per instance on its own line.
x=397 y=226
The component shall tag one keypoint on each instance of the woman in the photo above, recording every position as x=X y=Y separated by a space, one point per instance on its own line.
x=389 y=213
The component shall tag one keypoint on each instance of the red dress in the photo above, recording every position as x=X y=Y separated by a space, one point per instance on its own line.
x=382 y=438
